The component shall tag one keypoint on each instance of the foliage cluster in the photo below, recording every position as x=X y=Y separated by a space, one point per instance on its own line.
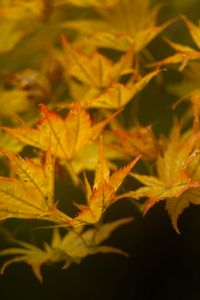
x=72 y=73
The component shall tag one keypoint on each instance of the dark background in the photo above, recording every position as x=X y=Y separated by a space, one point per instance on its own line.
x=162 y=265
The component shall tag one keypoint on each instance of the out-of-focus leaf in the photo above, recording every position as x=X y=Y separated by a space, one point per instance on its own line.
x=13 y=101
x=71 y=248
x=194 y=30
x=10 y=35
x=10 y=143
x=137 y=140
x=183 y=56
x=95 y=69
x=20 y=9
x=128 y=24
x=194 y=99
x=118 y=94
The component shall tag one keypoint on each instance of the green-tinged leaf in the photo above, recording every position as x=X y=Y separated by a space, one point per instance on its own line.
x=71 y=248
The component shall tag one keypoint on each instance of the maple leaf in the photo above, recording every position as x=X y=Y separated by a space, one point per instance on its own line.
x=183 y=55
x=102 y=195
x=193 y=29
x=113 y=30
x=118 y=95
x=135 y=141
x=175 y=181
x=10 y=143
x=64 y=138
x=98 y=77
x=175 y=206
x=30 y=193
x=71 y=248
x=94 y=70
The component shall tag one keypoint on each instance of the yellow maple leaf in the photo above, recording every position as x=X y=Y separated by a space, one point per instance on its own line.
x=30 y=193
x=64 y=138
x=135 y=141
x=94 y=69
x=176 y=181
x=183 y=55
x=127 y=24
x=193 y=29
x=118 y=95
x=102 y=195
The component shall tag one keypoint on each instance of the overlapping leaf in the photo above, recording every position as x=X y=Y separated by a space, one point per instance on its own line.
x=118 y=95
x=184 y=53
x=102 y=195
x=177 y=180
x=94 y=70
x=115 y=31
x=71 y=248
x=65 y=138
x=30 y=193
x=137 y=140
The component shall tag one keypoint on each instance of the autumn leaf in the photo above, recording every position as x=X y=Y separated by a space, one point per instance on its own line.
x=71 y=248
x=135 y=141
x=94 y=70
x=175 y=206
x=10 y=143
x=113 y=30
x=30 y=193
x=183 y=55
x=65 y=138
x=175 y=179
x=118 y=95
x=193 y=29
x=102 y=194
